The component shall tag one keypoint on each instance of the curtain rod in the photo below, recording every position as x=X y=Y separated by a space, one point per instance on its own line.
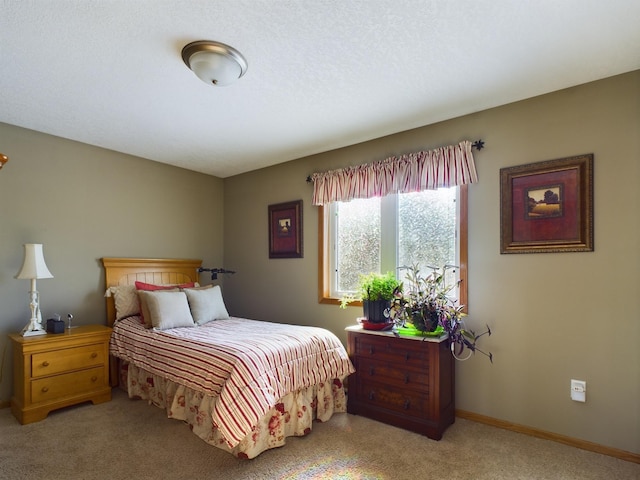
x=478 y=145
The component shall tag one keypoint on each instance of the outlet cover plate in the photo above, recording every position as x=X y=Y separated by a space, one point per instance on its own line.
x=578 y=390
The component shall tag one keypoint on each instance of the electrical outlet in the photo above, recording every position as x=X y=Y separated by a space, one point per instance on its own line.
x=578 y=390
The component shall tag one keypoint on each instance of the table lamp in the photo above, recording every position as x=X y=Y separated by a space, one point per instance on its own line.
x=34 y=268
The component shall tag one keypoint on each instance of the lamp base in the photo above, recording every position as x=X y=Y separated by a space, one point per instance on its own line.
x=32 y=333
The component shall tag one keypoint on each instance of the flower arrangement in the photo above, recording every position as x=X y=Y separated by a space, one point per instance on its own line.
x=427 y=306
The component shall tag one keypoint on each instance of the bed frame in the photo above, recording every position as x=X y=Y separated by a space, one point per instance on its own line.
x=126 y=271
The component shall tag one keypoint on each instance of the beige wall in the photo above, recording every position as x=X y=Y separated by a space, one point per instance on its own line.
x=84 y=203
x=554 y=316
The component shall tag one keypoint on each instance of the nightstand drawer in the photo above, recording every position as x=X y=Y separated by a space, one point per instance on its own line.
x=393 y=374
x=406 y=402
x=395 y=350
x=68 y=359
x=69 y=384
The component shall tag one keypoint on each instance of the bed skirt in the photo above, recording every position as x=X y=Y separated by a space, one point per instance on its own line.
x=293 y=415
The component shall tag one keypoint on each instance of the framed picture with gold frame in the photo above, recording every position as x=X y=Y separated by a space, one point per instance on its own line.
x=547 y=206
x=285 y=230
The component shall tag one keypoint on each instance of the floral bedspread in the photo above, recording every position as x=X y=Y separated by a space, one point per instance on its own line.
x=292 y=415
x=244 y=367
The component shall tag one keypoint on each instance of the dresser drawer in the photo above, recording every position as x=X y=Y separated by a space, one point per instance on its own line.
x=393 y=374
x=68 y=384
x=68 y=359
x=394 y=350
x=406 y=402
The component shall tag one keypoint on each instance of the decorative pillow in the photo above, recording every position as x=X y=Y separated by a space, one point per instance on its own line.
x=198 y=287
x=206 y=305
x=167 y=309
x=144 y=307
x=125 y=299
x=150 y=287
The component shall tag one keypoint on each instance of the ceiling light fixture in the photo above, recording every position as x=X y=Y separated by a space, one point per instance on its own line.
x=213 y=62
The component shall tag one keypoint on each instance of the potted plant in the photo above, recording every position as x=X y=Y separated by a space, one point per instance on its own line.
x=376 y=291
x=427 y=306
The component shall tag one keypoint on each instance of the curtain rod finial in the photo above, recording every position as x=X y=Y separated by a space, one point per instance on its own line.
x=478 y=144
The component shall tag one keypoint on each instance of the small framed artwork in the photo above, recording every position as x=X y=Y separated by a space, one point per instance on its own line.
x=285 y=230
x=547 y=206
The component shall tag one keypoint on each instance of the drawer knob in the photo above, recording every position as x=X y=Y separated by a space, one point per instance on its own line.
x=94 y=378
x=94 y=355
x=407 y=356
x=407 y=404
x=371 y=350
x=372 y=395
x=45 y=389
x=45 y=364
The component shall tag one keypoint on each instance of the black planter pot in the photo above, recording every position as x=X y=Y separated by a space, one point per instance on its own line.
x=374 y=310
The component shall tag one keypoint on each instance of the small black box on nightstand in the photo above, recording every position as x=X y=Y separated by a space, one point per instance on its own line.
x=55 y=326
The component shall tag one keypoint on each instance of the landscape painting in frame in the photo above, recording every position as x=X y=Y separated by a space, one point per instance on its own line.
x=547 y=206
x=285 y=230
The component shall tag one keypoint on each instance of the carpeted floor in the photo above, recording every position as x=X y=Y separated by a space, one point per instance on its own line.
x=128 y=439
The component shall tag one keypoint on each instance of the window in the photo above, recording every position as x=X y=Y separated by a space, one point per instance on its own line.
x=427 y=228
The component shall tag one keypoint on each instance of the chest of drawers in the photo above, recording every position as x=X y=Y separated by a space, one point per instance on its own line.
x=403 y=381
x=55 y=371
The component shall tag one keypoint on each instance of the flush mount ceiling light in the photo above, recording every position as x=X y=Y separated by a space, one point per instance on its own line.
x=213 y=62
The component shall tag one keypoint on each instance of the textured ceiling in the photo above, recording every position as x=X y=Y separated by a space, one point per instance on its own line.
x=322 y=73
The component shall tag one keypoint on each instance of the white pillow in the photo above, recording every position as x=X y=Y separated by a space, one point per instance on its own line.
x=167 y=309
x=125 y=299
x=144 y=308
x=206 y=304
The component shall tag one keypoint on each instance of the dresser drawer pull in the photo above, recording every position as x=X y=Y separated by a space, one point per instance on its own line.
x=372 y=395
x=372 y=371
x=407 y=404
x=371 y=350
x=94 y=378
x=407 y=356
x=45 y=364
x=406 y=378
x=45 y=389
x=94 y=355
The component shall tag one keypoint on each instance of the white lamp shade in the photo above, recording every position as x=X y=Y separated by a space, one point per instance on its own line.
x=33 y=266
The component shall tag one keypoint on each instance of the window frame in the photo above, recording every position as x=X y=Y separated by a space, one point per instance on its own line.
x=324 y=275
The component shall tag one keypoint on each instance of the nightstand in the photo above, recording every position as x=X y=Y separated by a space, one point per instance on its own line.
x=57 y=370
x=408 y=382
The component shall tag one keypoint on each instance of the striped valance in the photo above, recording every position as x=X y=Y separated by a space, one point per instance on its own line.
x=413 y=172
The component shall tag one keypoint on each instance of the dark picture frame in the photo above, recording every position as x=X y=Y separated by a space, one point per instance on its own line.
x=547 y=207
x=285 y=230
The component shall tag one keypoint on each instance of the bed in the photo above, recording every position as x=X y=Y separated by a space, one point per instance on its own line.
x=242 y=385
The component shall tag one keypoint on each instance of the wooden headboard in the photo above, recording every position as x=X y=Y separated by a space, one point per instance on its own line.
x=126 y=271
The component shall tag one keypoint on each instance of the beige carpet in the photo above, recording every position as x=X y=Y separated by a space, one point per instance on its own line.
x=127 y=439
